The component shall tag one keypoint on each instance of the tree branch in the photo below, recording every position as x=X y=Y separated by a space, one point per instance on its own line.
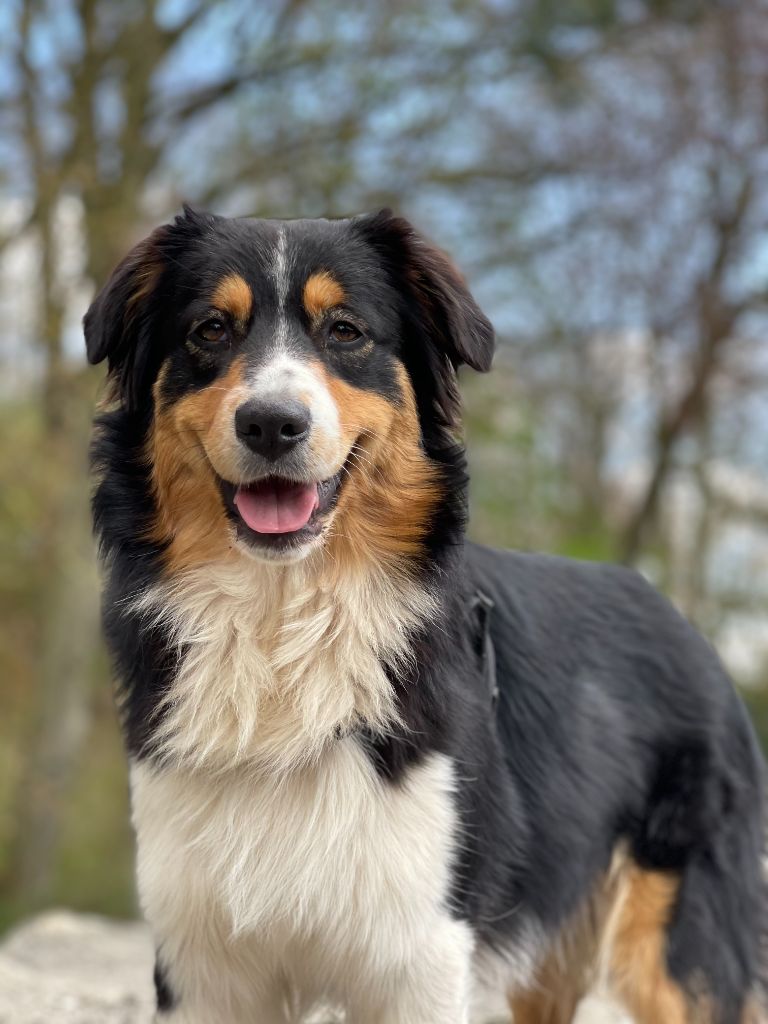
x=716 y=318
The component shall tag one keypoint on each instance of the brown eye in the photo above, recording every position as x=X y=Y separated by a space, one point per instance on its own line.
x=344 y=331
x=213 y=331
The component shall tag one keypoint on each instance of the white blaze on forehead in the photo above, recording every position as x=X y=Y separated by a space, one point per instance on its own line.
x=281 y=266
x=280 y=274
x=289 y=377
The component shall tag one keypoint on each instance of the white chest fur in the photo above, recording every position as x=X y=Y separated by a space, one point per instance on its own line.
x=303 y=850
x=318 y=877
x=274 y=863
x=275 y=662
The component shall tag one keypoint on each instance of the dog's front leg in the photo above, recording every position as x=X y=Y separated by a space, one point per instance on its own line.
x=208 y=1015
x=217 y=982
x=219 y=999
x=432 y=987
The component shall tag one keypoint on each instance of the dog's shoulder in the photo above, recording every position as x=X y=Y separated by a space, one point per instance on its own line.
x=565 y=612
x=537 y=584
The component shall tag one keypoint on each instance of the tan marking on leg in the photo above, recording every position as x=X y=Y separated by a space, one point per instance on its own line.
x=321 y=292
x=233 y=295
x=566 y=974
x=554 y=1002
x=755 y=1012
x=637 y=939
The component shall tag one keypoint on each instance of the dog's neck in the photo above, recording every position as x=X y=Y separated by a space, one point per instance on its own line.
x=278 y=662
x=245 y=662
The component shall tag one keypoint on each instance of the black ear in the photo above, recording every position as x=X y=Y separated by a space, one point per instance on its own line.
x=446 y=309
x=443 y=324
x=117 y=325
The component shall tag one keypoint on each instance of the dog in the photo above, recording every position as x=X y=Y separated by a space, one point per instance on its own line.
x=374 y=766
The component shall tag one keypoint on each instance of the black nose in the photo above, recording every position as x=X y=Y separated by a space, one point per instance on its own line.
x=272 y=428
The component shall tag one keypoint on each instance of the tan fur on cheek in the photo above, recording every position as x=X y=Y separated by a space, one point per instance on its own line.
x=191 y=519
x=321 y=292
x=233 y=295
x=386 y=505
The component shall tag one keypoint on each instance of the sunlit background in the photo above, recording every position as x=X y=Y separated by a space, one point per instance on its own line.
x=598 y=169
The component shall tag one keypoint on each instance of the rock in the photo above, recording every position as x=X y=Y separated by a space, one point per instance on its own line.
x=65 y=968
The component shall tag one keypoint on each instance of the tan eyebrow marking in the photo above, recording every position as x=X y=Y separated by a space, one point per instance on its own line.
x=322 y=291
x=233 y=296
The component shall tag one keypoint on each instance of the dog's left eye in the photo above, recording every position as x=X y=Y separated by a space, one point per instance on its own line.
x=344 y=331
x=213 y=331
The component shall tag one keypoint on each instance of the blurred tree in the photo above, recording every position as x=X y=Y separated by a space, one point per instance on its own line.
x=633 y=270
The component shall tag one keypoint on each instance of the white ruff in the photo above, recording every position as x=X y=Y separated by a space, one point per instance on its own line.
x=325 y=884
x=276 y=662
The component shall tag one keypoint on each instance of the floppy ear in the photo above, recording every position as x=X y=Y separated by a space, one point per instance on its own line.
x=117 y=325
x=444 y=305
x=444 y=325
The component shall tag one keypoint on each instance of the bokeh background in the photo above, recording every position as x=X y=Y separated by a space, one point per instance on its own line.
x=599 y=169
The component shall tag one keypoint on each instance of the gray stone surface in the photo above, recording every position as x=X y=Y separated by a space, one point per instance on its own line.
x=64 y=968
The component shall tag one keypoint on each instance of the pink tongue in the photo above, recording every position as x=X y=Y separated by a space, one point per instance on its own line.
x=276 y=506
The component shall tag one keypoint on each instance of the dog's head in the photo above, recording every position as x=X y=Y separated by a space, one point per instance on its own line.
x=294 y=378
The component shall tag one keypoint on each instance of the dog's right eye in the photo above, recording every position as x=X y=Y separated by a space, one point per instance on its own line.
x=344 y=331
x=213 y=331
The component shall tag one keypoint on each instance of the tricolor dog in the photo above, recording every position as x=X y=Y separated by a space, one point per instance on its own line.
x=373 y=766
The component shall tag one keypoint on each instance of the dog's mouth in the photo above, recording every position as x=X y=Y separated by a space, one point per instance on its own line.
x=278 y=513
x=277 y=506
